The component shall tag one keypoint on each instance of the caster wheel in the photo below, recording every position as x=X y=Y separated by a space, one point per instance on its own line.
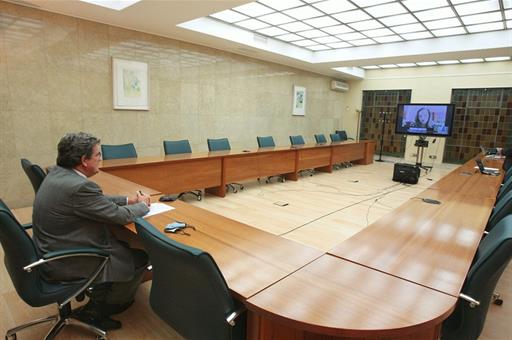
x=498 y=302
x=267 y=181
x=199 y=198
x=242 y=187
x=12 y=337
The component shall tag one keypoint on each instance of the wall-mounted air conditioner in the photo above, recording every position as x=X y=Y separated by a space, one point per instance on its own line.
x=338 y=85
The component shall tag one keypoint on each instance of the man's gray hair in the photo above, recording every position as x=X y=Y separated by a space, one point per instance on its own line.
x=73 y=146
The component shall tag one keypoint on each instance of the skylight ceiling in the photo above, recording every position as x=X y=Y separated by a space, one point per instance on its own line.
x=320 y=25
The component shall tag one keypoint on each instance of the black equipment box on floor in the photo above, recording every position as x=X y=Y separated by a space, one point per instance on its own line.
x=406 y=173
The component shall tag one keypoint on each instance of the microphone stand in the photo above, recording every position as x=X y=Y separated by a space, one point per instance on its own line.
x=383 y=120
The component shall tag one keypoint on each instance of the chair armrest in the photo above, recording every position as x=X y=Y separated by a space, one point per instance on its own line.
x=230 y=319
x=27 y=226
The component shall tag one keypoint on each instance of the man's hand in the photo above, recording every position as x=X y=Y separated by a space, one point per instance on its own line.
x=140 y=197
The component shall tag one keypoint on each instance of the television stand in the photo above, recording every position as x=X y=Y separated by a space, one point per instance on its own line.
x=421 y=143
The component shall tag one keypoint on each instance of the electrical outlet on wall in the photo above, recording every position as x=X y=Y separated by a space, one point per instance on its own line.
x=432 y=157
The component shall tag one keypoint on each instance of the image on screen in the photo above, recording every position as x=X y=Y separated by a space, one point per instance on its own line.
x=424 y=119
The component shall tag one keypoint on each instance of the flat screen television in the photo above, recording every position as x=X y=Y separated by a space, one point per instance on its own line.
x=425 y=119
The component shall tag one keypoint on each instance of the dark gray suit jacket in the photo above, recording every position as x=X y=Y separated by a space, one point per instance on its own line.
x=71 y=211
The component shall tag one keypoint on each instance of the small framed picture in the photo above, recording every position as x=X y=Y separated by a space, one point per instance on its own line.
x=130 y=82
x=299 y=101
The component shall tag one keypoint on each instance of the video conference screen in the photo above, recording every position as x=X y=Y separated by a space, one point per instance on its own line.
x=425 y=119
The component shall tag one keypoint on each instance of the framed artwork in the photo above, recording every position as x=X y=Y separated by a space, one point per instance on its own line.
x=131 y=86
x=299 y=101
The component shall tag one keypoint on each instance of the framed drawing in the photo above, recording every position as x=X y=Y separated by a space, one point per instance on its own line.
x=131 y=87
x=299 y=101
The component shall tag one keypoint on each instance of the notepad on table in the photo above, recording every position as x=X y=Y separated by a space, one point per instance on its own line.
x=158 y=208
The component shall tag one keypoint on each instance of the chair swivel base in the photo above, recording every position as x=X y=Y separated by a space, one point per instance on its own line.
x=233 y=187
x=197 y=193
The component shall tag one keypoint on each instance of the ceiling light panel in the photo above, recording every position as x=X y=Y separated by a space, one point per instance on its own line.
x=408 y=28
x=478 y=7
x=281 y=4
x=304 y=12
x=456 y=2
x=388 y=39
x=253 y=9
x=117 y=5
x=388 y=66
x=337 y=29
x=327 y=40
x=485 y=27
x=497 y=59
x=419 y=5
x=276 y=18
x=448 y=31
x=352 y=16
x=481 y=18
x=318 y=47
x=378 y=32
x=339 y=45
x=507 y=3
x=365 y=25
x=385 y=10
x=312 y=34
x=295 y=26
x=351 y=36
x=448 y=62
x=444 y=23
x=363 y=42
x=229 y=16
x=399 y=20
x=417 y=35
x=334 y=6
x=252 y=24
x=272 y=31
x=305 y=42
x=473 y=60
x=426 y=63
x=289 y=37
x=508 y=14
x=370 y=67
x=406 y=65
x=434 y=14
x=366 y=3
x=321 y=22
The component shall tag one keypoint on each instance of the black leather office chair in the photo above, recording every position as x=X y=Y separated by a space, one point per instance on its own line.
x=343 y=135
x=502 y=208
x=23 y=265
x=181 y=147
x=118 y=151
x=268 y=142
x=505 y=189
x=34 y=173
x=188 y=290
x=320 y=139
x=493 y=255
x=222 y=144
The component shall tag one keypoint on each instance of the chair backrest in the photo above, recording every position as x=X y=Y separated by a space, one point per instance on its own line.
x=34 y=173
x=342 y=134
x=188 y=290
x=494 y=254
x=297 y=140
x=19 y=251
x=265 y=142
x=320 y=139
x=118 y=151
x=335 y=137
x=505 y=189
x=502 y=208
x=219 y=144
x=172 y=147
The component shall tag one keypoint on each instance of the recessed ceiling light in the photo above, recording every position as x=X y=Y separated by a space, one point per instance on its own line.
x=326 y=40
x=318 y=47
x=337 y=29
x=334 y=6
x=117 y=5
x=408 y=28
x=481 y=18
x=378 y=32
x=388 y=66
x=305 y=42
x=281 y=4
x=295 y=26
x=485 y=27
x=289 y=37
x=415 y=5
x=229 y=16
x=304 y=12
x=426 y=63
x=313 y=34
x=434 y=14
x=388 y=39
x=396 y=20
x=444 y=23
x=276 y=18
x=417 y=35
x=472 y=60
x=478 y=7
x=497 y=58
x=272 y=31
x=363 y=42
x=386 y=10
x=406 y=65
x=351 y=36
x=339 y=45
x=447 y=62
x=352 y=16
x=321 y=22
x=253 y=9
x=252 y=24
x=449 y=31
x=365 y=25
x=370 y=67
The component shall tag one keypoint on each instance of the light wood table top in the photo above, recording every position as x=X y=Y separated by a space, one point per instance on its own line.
x=336 y=297
x=113 y=185
x=250 y=259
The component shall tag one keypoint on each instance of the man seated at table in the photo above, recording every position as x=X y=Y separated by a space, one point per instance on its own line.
x=70 y=211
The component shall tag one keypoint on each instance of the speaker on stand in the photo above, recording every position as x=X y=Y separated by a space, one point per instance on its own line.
x=383 y=119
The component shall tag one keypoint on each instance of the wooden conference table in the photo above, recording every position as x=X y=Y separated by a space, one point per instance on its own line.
x=172 y=174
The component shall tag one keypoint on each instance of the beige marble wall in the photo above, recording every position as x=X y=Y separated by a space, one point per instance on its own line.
x=55 y=77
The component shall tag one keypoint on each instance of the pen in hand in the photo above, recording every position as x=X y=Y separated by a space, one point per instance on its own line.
x=146 y=198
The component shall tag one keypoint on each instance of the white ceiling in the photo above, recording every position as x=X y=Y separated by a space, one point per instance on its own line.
x=160 y=17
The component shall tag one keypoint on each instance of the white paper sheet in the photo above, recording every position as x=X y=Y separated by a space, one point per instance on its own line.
x=158 y=208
